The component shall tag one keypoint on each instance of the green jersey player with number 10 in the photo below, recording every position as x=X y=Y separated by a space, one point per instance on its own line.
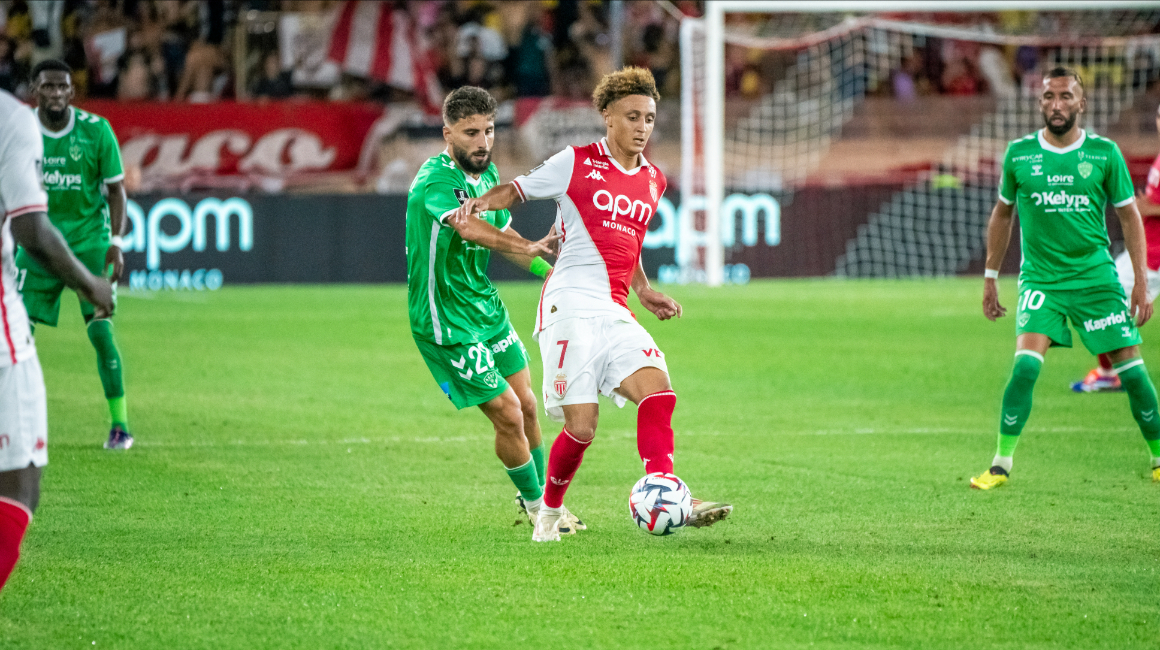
x=1060 y=180
x=86 y=202
x=458 y=321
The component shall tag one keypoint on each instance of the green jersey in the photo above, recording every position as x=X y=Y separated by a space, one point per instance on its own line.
x=78 y=161
x=449 y=296
x=1061 y=196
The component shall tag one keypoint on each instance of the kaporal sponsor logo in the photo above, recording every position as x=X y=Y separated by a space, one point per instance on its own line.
x=622 y=205
x=55 y=180
x=1062 y=199
x=1105 y=322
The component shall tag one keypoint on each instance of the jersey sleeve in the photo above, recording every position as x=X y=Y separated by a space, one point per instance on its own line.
x=548 y=181
x=503 y=217
x=1118 y=182
x=1007 y=186
x=1152 y=189
x=21 y=155
x=111 y=168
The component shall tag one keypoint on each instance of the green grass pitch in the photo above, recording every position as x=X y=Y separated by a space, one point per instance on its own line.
x=299 y=481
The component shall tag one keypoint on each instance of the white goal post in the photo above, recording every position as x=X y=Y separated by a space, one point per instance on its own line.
x=712 y=119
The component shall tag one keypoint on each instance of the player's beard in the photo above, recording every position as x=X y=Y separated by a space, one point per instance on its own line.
x=464 y=159
x=56 y=116
x=1062 y=128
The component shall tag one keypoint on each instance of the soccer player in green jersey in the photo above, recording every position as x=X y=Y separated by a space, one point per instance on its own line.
x=86 y=202
x=1060 y=179
x=458 y=321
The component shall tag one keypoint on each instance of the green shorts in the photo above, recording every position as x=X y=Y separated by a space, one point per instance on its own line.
x=473 y=373
x=41 y=289
x=1100 y=315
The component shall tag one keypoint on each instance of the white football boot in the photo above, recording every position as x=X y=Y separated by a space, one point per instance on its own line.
x=548 y=525
x=569 y=523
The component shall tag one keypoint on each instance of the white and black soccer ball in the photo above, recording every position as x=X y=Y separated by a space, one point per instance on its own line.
x=660 y=503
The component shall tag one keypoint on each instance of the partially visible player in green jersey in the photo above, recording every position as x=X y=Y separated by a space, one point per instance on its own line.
x=458 y=321
x=86 y=202
x=1060 y=180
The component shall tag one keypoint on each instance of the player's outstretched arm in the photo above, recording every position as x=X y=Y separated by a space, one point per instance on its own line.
x=998 y=237
x=1133 y=227
x=500 y=197
x=478 y=231
x=658 y=303
x=537 y=265
x=44 y=243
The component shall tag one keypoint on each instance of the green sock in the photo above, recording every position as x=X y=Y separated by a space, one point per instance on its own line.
x=1142 y=400
x=538 y=460
x=527 y=481
x=118 y=413
x=1017 y=404
x=109 y=367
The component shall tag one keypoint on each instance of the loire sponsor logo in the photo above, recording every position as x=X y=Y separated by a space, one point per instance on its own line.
x=1095 y=325
x=1061 y=199
x=1060 y=179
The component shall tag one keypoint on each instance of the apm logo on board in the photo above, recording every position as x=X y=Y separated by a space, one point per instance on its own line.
x=172 y=226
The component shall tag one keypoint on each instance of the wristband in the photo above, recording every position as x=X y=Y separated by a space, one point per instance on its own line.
x=540 y=267
x=991 y=274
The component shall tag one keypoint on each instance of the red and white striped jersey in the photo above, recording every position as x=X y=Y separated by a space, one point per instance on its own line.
x=603 y=211
x=21 y=192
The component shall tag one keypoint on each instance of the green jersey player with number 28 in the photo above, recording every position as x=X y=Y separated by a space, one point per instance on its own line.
x=1060 y=180
x=458 y=321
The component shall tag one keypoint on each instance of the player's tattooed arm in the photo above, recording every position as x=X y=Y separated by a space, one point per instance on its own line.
x=1133 y=227
x=658 y=303
x=117 y=221
x=998 y=237
x=478 y=231
x=44 y=243
x=500 y=197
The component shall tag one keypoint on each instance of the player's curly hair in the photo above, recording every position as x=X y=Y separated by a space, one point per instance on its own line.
x=622 y=83
x=1064 y=71
x=466 y=101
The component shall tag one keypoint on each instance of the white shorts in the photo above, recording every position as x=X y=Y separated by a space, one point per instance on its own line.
x=1128 y=276
x=586 y=357
x=23 y=416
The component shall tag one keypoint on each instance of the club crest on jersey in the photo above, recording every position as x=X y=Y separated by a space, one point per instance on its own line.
x=74 y=150
x=652 y=189
x=560 y=385
x=1085 y=169
x=596 y=175
x=461 y=194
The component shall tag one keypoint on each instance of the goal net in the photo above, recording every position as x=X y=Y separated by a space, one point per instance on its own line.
x=917 y=107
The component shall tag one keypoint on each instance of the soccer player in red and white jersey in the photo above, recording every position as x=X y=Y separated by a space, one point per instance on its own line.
x=1103 y=377
x=23 y=416
x=590 y=343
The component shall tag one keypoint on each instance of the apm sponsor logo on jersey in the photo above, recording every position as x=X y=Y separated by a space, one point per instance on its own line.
x=1061 y=199
x=621 y=205
x=1095 y=325
x=149 y=235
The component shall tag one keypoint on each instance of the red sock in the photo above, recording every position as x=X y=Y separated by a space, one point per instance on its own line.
x=14 y=518
x=654 y=431
x=563 y=461
x=1105 y=363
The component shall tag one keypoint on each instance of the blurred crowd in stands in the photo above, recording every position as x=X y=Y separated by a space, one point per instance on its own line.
x=202 y=51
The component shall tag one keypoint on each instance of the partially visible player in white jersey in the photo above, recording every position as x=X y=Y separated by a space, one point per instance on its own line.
x=1103 y=377
x=590 y=343
x=23 y=411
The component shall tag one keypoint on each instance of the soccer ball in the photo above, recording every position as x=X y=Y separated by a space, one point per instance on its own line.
x=660 y=503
